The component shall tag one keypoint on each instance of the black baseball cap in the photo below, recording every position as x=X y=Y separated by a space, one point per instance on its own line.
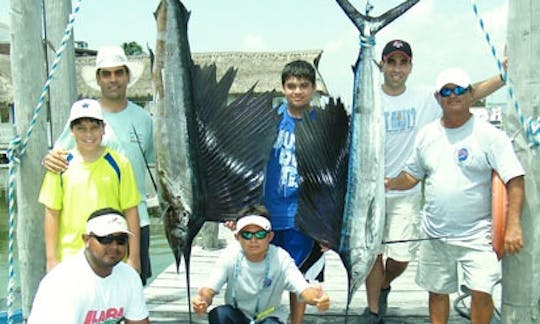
x=396 y=46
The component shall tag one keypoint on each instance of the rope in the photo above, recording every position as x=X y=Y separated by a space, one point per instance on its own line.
x=367 y=41
x=15 y=152
x=530 y=125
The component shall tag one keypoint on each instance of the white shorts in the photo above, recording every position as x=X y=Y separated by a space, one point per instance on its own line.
x=439 y=262
x=403 y=222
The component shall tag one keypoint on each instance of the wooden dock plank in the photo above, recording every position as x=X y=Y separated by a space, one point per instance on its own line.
x=168 y=302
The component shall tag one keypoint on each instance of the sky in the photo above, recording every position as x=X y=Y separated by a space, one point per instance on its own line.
x=442 y=33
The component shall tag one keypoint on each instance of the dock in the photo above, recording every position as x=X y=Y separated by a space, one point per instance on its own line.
x=167 y=299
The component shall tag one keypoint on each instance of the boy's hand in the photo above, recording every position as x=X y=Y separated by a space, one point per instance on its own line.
x=324 y=247
x=322 y=302
x=230 y=225
x=56 y=161
x=199 y=305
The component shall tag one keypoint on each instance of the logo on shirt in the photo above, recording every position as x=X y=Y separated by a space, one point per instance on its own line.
x=400 y=120
x=285 y=145
x=462 y=154
x=109 y=316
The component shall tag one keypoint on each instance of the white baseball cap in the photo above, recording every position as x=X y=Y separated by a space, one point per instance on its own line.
x=260 y=221
x=454 y=76
x=108 y=57
x=106 y=224
x=85 y=108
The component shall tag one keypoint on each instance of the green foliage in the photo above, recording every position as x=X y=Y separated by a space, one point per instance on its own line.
x=132 y=48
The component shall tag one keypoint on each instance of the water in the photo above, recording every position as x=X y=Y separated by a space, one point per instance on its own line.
x=160 y=253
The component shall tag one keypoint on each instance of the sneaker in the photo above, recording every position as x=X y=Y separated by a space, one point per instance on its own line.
x=383 y=301
x=368 y=317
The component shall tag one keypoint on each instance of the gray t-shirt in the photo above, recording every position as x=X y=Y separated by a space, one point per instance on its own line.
x=254 y=287
x=457 y=164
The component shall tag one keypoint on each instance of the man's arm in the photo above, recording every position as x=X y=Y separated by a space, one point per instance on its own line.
x=132 y=218
x=204 y=299
x=403 y=181
x=51 y=224
x=484 y=88
x=513 y=236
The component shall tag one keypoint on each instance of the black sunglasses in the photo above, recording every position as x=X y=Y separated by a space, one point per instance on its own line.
x=259 y=235
x=105 y=240
x=458 y=91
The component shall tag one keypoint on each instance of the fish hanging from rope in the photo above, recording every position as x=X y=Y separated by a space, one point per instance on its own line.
x=351 y=222
x=210 y=156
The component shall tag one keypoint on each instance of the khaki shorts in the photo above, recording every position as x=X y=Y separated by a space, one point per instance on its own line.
x=439 y=264
x=403 y=222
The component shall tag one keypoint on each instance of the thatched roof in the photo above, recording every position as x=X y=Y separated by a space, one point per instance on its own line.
x=263 y=68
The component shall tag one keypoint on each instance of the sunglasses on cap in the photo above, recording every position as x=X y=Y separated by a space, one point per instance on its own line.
x=259 y=235
x=120 y=239
x=458 y=91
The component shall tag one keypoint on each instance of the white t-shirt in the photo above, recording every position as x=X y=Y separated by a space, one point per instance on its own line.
x=252 y=284
x=72 y=293
x=457 y=164
x=404 y=116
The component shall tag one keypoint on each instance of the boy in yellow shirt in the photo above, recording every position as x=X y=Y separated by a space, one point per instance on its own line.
x=97 y=177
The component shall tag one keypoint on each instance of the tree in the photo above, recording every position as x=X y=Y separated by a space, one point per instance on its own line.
x=132 y=48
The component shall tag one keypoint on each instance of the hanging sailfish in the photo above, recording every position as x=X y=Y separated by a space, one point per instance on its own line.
x=351 y=223
x=364 y=212
x=210 y=157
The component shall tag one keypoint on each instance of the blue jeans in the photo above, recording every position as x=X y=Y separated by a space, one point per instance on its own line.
x=226 y=314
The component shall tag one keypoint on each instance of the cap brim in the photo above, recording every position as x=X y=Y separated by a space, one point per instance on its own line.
x=256 y=220
x=88 y=74
x=389 y=55
x=98 y=233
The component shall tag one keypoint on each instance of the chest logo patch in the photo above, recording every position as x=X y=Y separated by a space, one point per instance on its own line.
x=462 y=154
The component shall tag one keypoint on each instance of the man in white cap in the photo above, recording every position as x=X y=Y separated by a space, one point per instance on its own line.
x=407 y=109
x=128 y=131
x=256 y=274
x=97 y=177
x=95 y=286
x=456 y=156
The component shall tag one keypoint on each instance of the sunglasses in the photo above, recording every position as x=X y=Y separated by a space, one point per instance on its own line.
x=105 y=240
x=259 y=235
x=458 y=91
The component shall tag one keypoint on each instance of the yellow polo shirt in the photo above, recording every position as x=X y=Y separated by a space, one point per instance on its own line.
x=84 y=188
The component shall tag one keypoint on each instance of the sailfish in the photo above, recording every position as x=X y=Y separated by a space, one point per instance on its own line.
x=210 y=155
x=344 y=206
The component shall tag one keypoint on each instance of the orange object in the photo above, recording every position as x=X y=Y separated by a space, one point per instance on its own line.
x=499 y=212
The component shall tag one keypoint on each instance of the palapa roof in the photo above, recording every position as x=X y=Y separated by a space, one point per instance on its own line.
x=261 y=68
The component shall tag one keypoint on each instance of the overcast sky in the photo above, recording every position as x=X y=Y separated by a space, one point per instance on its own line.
x=442 y=33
